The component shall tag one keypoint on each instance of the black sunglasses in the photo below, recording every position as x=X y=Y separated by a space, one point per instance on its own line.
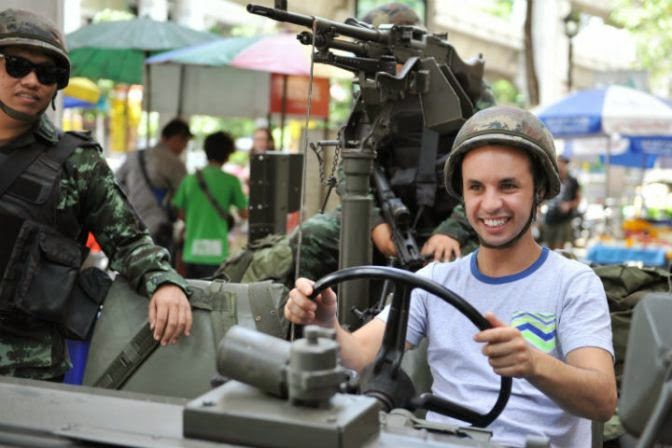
x=47 y=73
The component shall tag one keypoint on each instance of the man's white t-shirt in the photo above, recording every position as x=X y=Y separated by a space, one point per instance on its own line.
x=558 y=304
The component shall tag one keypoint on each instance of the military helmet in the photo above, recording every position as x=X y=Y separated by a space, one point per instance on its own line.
x=392 y=13
x=19 y=27
x=507 y=126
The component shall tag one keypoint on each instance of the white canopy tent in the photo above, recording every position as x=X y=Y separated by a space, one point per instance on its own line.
x=219 y=91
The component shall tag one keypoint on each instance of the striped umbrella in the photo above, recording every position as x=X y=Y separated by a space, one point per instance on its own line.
x=274 y=53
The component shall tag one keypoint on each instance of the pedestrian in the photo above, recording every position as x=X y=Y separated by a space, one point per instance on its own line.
x=551 y=329
x=151 y=178
x=262 y=141
x=56 y=187
x=561 y=210
x=204 y=200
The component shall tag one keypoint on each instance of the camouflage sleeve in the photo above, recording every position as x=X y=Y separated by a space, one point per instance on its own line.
x=102 y=206
x=457 y=227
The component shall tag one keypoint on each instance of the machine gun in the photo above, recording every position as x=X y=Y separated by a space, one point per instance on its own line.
x=430 y=70
x=397 y=215
x=377 y=51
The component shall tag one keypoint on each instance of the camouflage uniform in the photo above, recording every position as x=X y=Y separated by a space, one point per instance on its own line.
x=90 y=199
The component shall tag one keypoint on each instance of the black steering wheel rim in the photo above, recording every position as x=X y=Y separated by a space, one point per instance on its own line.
x=440 y=291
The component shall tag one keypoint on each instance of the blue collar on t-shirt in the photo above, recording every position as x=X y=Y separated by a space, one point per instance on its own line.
x=507 y=278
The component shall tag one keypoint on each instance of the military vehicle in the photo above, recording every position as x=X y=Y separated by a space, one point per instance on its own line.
x=289 y=396
x=275 y=393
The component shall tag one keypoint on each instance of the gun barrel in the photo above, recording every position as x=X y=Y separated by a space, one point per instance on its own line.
x=306 y=38
x=307 y=21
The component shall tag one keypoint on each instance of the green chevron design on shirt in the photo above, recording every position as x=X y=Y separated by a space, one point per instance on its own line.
x=537 y=328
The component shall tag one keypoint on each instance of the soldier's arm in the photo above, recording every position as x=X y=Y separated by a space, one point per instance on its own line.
x=105 y=211
x=458 y=228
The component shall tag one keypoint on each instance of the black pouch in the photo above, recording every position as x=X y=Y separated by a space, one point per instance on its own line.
x=84 y=302
x=50 y=265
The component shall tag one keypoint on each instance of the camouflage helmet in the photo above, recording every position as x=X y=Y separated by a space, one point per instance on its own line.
x=392 y=13
x=507 y=126
x=20 y=27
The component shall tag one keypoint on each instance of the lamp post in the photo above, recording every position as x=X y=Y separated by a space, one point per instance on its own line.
x=571 y=30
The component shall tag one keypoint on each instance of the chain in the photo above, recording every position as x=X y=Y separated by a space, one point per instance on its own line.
x=337 y=153
x=322 y=163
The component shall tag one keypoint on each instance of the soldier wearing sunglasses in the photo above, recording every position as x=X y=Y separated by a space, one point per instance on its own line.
x=55 y=188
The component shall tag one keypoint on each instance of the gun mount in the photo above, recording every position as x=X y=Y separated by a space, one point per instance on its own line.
x=391 y=64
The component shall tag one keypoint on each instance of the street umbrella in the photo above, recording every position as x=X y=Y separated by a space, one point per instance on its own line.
x=117 y=50
x=644 y=119
x=81 y=92
x=615 y=113
x=279 y=53
x=273 y=53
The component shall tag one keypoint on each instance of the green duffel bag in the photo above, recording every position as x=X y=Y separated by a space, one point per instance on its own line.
x=124 y=355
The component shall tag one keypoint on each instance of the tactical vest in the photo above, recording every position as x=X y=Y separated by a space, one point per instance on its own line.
x=399 y=154
x=40 y=255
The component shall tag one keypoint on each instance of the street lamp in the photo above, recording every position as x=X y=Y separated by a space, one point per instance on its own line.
x=571 y=30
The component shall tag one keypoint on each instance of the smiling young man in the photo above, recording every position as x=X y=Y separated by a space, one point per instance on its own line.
x=551 y=328
x=54 y=189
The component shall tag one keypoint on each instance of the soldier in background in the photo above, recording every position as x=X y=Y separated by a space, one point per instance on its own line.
x=62 y=189
x=440 y=235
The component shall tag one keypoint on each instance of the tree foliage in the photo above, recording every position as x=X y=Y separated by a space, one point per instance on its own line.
x=650 y=21
x=507 y=93
x=500 y=8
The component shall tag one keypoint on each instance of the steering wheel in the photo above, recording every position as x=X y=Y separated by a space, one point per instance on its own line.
x=390 y=383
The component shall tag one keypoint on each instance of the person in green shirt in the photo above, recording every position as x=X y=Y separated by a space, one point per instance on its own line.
x=203 y=199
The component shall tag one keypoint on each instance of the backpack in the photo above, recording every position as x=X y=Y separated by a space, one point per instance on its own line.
x=625 y=287
x=269 y=258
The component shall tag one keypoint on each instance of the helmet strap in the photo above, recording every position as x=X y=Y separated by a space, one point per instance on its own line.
x=18 y=115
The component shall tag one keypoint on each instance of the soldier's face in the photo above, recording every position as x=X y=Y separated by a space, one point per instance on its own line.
x=498 y=192
x=25 y=93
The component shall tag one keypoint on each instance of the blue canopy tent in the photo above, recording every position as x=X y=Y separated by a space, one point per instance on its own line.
x=614 y=113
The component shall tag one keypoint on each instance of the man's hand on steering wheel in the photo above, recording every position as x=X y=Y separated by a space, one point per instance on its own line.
x=301 y=310
x=506 y=349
